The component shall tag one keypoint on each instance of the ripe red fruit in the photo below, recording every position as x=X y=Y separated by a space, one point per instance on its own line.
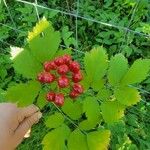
x=59 y=99
x=50 y=96
x=59 y=61
x=67 y=59
x=46 y=77
x=63 y=81
x=77 y=77
x=74 y=66
x=49 y=65
x=40 y=77
x=63 y=69
x=78 y=88
x=73 y=94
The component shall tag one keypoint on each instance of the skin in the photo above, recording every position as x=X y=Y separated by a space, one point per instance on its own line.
x=15 y=123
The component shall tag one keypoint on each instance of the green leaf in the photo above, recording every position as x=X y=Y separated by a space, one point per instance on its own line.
x=70 y=108
x=44 y=47
x=63 y=52
x=77 y=141
x=92 y=111
x=104 y=94
x=55 y=139
x=24 y=93
x=98 y=85
x=96 y=64
x=2 y=96
x=117 y=69
x=41 y=100
x=98 y=140
x=55 y=120
x=3 y=72
x=25 y=64
x=137 y=72
x=127 y=95
x=112 y=111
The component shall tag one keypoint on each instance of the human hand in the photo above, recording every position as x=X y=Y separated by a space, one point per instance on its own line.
x=14 y=124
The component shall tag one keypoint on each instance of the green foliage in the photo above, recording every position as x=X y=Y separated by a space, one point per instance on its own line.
x=45 y=45
x=112 y=96
x=77 y=141
x=23 y=93
x=54 y=120
x=137 y=72
x=95 y=64
x=41 y=100
x=59 y=134
x=127 y=96
x=70 y=107
x=28 y=68
x=92 y=112
x=117 y=69
x=112 y=111
x=98 y=140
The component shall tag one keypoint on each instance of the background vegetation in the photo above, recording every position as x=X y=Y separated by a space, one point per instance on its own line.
x=127 y=31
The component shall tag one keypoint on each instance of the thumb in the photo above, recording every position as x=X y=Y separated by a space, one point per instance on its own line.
x=25 y=126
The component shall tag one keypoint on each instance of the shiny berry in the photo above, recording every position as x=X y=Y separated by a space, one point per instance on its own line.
x=50 y=96
x=59 y=99
x=78 y=88
x=40 y=77
x=67 y=59
x=59 y=61
x=73 y=94
x=63 y=81
x=49 y=65
x=63 y=69
x=46 y=77
x=74 y=66
x=77 y=77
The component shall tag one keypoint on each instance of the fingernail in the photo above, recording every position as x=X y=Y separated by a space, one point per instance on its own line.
x=35 y=107
x=39 y=115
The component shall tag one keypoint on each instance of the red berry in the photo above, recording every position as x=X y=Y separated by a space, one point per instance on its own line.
x=63 y=69
x=50 y=96
x=77 y=77
x=59 y=99
x=67 y=59
x=59 y=61
x=63 y=82
x=49 y=65
x=74 y=66
x=78 y=88
x=73 y=94
x=40 y=77
x=46 y=77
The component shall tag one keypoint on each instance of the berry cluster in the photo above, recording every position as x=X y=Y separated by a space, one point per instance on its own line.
x=66 y=73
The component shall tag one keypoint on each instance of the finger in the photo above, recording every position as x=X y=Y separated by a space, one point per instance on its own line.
x=27 y=112
x=25 y=126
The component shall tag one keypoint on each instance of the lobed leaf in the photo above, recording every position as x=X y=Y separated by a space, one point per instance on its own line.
x=127 y=95
x=55 y=120
x=25 y=64
x=96 y=64
x=24 y=93
x=45 y=44
x=69 y=108
x=112 y=111
x=137 y=72
x=41 y=100
x=117 y=68
x=55 y=139
x=98 y=140
x=92 y=111
x=77 y=141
